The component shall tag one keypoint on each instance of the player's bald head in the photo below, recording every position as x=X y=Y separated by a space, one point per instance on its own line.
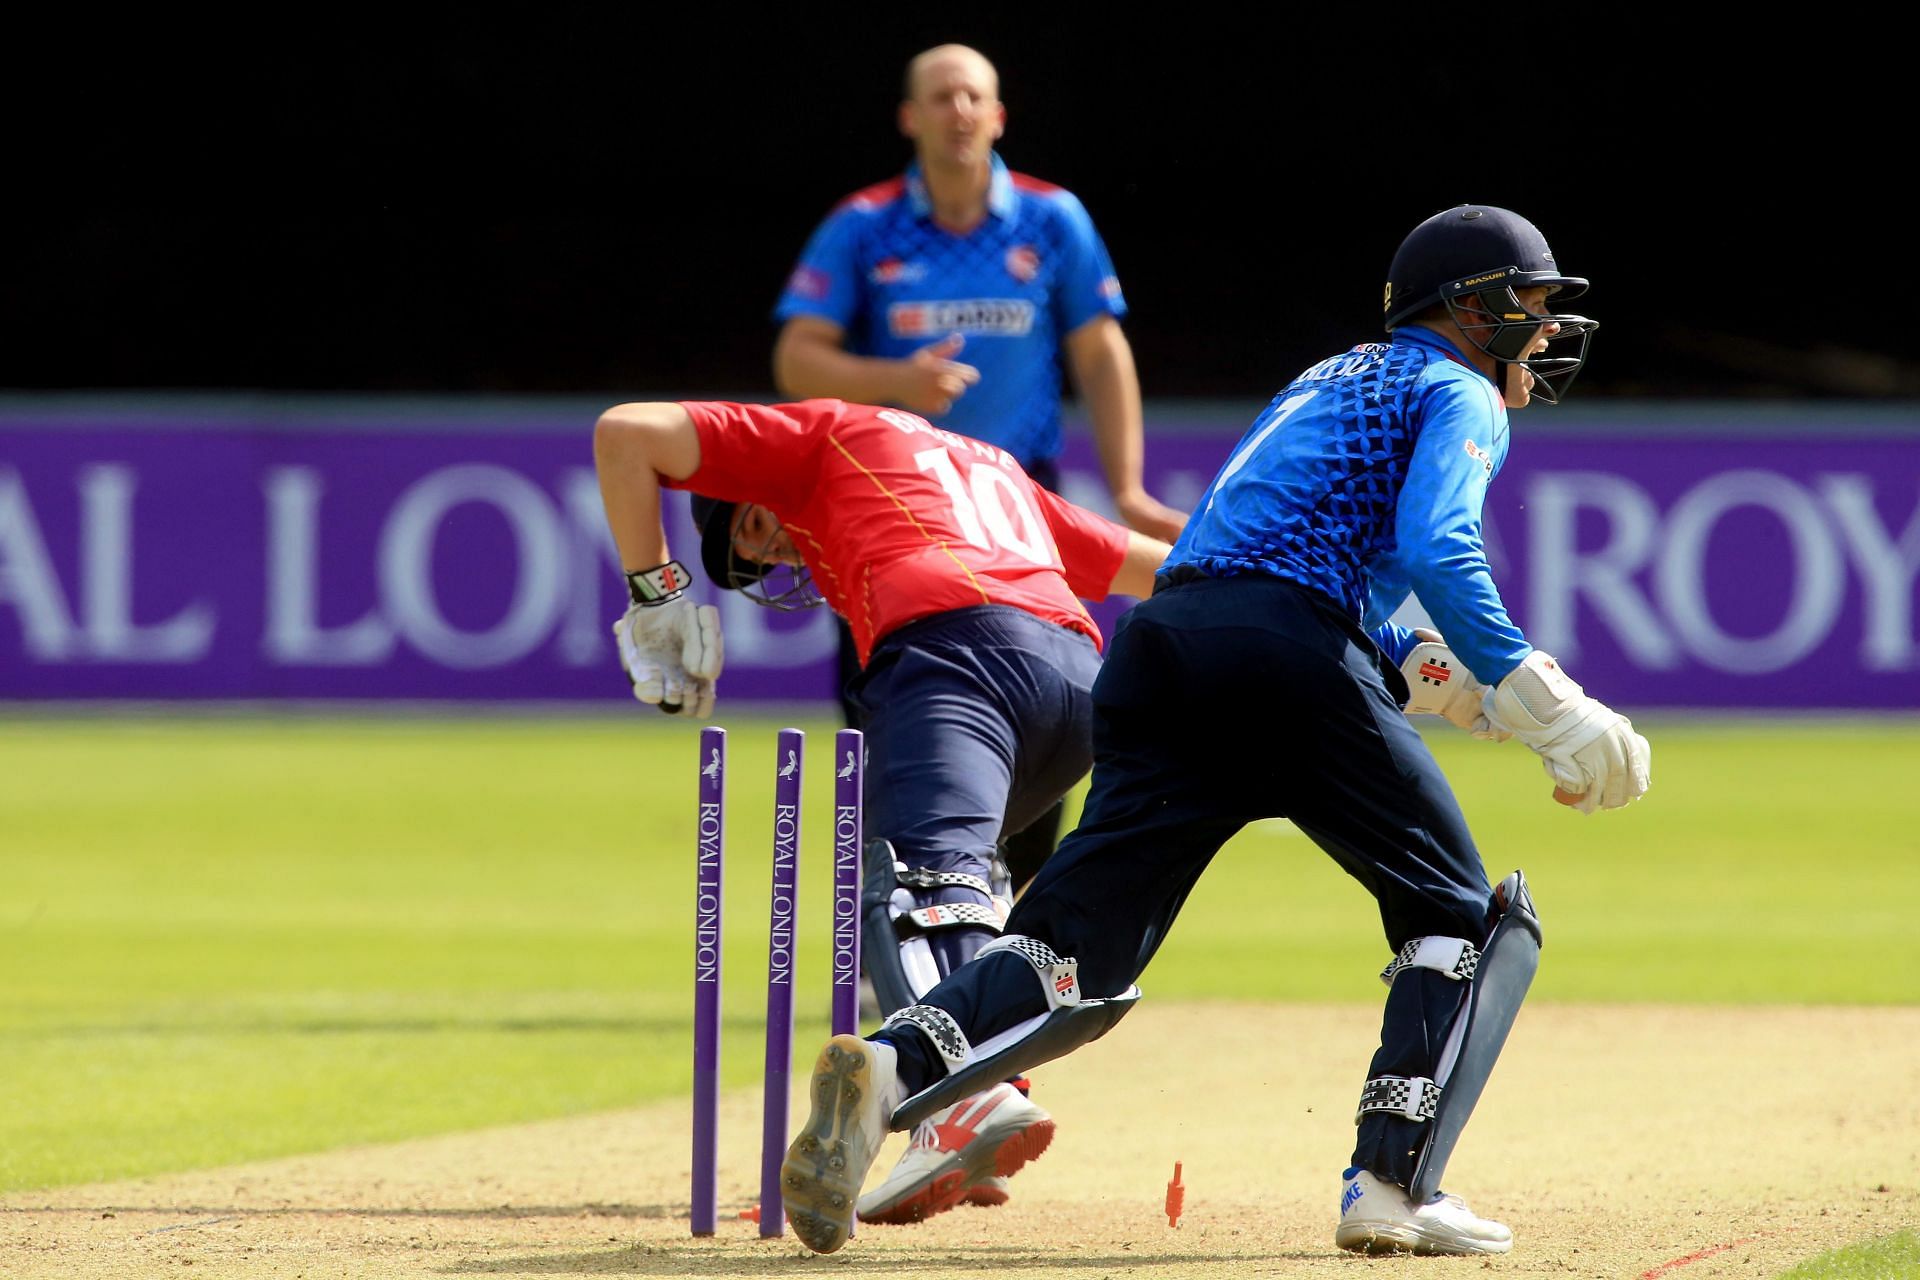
x=944 y=57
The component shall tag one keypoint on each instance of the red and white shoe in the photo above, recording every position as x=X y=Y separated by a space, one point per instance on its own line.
x=988 y=1193
x=964 y=1153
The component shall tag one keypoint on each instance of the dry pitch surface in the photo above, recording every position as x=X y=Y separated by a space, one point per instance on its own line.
x=1668 y=1144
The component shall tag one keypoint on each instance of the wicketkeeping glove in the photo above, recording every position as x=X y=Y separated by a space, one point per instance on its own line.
x=1590 y=750
x=669 y=646
x=1440 y=685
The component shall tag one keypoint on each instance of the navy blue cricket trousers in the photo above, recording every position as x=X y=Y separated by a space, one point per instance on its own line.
x=1223 y=701
x=977 y=721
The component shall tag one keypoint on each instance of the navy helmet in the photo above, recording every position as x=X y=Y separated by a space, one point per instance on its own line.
x=777 y=586
x=1472 y=258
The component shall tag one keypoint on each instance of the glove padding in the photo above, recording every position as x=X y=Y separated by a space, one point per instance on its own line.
x=672 y=654
x=1439 y=684
x=1591 y=752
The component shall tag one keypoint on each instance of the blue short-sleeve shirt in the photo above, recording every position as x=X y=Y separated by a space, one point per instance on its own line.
x=894 y=280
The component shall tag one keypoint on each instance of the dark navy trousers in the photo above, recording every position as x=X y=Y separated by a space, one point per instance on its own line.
x=977 y=721
x=1223 y=701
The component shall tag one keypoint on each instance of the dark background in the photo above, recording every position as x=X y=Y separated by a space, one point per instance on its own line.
x=613 y=206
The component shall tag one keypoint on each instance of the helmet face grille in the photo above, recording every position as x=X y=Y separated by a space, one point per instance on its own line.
x=777 y=586
x=1553 y=367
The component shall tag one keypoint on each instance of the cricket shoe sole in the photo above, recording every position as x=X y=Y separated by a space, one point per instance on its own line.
x=988 y=1193
x=827 y=1162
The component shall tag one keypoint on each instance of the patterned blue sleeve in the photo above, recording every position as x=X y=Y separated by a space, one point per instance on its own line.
x=1086 y=285
x=826 y=281
x=1437 y=528
x=1395 y=641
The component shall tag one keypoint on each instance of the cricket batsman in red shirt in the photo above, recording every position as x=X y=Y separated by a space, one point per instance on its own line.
x=961 y=580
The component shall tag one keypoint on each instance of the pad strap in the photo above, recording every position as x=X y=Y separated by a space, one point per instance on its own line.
x=1455 y=957
x=939 y=1027
x=1059 y=975
x=948 y=915
x=1414 y=1097
x=918 y=878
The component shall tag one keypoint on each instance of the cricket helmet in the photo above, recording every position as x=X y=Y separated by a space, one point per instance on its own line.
x=775 y=585
x=1472 y=258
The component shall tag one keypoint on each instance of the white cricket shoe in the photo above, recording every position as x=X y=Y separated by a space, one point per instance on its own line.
x=1377 y=1217
x=963 y=1153
x=854 y=1089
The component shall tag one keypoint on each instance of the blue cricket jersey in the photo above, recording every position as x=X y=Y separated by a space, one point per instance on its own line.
x=1033 y=271
x=1364 y=480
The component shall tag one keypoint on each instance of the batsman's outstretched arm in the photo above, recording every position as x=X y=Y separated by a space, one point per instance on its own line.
x=633 y=446
x=1143 y=559
x=669 y=647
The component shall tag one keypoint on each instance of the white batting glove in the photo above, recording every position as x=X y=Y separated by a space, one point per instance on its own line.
x=1590 y=750
x=1439 y=684
x=672 y=653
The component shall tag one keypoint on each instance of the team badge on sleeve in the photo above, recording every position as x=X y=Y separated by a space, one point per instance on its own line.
x=809 y=282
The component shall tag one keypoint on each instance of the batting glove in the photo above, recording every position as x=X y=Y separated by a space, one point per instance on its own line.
x=669 y=647
x=1590 y=750
x=1440 y=685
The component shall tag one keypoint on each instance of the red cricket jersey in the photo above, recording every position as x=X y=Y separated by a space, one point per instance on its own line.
x=898 y=519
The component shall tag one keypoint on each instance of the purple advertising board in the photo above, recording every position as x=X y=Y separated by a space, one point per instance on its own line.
x=453 y=559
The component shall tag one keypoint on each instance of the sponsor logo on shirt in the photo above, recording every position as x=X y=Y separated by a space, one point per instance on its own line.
x=1482 y=457
x=1023 y=264
x=809 y=282
x=1002 y=317
x=894 y=271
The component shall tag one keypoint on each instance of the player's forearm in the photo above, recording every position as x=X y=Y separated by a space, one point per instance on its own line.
x=1103 y=370
x=1143 y=559
x=633 y=446
x=806 y=367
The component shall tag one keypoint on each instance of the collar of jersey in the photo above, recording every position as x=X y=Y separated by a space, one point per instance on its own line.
x=1428 y=338
x=1002 y=198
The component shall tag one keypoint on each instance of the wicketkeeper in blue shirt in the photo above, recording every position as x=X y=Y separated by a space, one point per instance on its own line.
x=1264 y=679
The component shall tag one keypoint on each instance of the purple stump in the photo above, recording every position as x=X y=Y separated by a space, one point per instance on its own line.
x=849 y=761
x=781 y=936
x=710 y=855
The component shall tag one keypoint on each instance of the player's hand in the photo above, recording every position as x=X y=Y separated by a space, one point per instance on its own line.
x=1144 y=513
x=672 y=654
x=1591 y=751
x=931 y=379
x=1439 y=684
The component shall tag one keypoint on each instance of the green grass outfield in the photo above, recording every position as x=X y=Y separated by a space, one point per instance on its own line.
x=226 y=939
